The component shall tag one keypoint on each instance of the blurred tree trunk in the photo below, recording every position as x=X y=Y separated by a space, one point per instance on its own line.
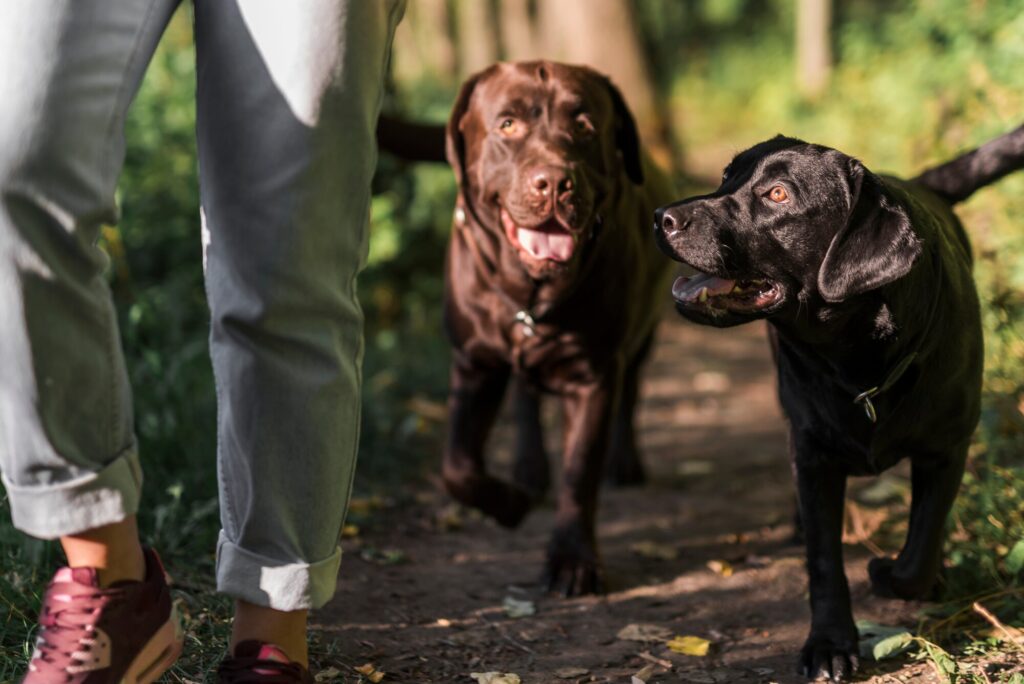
x=603 y=34
x=813 y=50
x=478 y=36
x=518 y=30
x=423 y=43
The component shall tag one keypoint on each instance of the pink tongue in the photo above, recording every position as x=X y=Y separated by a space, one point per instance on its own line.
x=688 y=289
x=545 y=245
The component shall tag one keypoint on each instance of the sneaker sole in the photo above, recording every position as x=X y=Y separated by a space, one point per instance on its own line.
x=157 y=656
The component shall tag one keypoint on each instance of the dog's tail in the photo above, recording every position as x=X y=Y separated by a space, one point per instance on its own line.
x=957 y=180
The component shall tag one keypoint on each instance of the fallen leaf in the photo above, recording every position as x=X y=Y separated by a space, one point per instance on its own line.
x=882 y=641
x=649 y=549
x=643 y=675
x=328 y=675
x=349 y=531
x=694 y=467
x=690 y=645
x=721 y=567
x=571 y=672
x=496 y=677
x=365 y=505
x=516 y=608
x=449 y=518
x=638 y=632
x=384 y=556
x=892 y=646
x=370 y=672
x=1015 y=559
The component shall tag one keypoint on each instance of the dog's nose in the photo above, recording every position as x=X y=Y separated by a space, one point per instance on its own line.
x=670 y=220
x=548 y=179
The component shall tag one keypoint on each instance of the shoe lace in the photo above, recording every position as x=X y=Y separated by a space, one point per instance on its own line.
x=68 y=627
x=251 y=670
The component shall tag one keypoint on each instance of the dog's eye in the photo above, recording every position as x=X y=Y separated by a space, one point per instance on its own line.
x=778 y=194
x=511 y=127
x=583 y=124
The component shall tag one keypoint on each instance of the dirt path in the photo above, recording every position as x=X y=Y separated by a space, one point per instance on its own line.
x=422 y=585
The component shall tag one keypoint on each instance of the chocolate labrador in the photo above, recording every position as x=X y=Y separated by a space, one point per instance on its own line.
x=551 y=280
x=875 y=327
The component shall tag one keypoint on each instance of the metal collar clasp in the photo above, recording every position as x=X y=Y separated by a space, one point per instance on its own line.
x=864 y=398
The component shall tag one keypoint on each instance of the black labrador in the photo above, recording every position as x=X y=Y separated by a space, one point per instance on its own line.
x=876 y=333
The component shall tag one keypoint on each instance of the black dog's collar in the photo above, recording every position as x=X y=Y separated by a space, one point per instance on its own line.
x=865 y=397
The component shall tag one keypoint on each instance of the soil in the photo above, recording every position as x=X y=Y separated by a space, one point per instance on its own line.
x=423 y=582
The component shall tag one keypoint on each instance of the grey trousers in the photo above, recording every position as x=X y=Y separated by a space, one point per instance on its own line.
x=288 y=96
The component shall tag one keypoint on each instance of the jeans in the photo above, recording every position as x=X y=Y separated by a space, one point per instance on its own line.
x=288 y=93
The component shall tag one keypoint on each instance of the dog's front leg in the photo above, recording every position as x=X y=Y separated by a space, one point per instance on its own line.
x=474 y=399
x=831 y=647
x=573 y=565
x=935 y=481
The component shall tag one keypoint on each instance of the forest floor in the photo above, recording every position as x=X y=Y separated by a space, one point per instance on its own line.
x=704 y=550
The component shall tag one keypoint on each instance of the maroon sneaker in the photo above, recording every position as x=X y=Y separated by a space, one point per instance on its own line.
x=127 y=633
x=255 y=662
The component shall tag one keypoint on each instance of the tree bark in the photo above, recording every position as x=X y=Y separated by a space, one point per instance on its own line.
x=477 y=35
x=518 y=31
x=813 y=49
x=603 y=34
x=423 y=43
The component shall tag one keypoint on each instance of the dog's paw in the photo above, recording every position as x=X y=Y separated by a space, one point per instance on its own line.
x=887 y=584
x=506 y=503
x=625 y=469
x=829 y=658
x=511 y=507
x=573 y=567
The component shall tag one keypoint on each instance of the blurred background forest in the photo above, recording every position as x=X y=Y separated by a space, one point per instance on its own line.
x=898 y=83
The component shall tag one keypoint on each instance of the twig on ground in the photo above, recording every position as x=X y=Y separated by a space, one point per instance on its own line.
x=667 y=664
x=1013 y=635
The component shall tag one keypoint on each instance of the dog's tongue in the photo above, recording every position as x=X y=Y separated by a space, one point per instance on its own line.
x=557 y=246
x=688 y=289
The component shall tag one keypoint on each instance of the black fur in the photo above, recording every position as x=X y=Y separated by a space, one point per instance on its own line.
x=866 y=282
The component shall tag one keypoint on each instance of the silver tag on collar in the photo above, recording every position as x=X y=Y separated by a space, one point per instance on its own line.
x=525 y=319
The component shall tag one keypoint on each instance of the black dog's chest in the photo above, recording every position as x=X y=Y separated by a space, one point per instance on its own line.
x=825 y=414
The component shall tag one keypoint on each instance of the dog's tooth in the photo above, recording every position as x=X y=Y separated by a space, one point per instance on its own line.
x=703 y=296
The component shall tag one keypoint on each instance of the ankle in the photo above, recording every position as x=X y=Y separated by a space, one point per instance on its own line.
x=284 y=629
x=114 y=550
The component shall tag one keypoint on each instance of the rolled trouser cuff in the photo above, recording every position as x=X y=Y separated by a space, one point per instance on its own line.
x=73 y=506
x=274 y=583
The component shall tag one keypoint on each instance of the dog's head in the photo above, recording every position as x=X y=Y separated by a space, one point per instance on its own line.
x=791 y=225
x=536 y=148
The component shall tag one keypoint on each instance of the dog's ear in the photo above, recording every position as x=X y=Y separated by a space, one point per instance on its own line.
x=455 y=141
x=876 y=246
x=626 y=137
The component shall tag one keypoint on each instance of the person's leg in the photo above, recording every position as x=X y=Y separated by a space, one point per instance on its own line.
x=67 y=449
x=288 y=97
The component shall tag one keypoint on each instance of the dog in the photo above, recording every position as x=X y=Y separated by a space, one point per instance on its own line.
x=876 y=334
x=550 y=282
